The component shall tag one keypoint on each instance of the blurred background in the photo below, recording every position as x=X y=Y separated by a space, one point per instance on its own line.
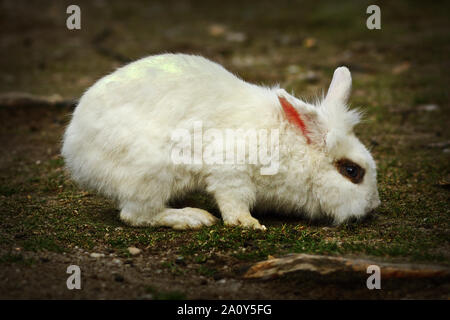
x=295 y=43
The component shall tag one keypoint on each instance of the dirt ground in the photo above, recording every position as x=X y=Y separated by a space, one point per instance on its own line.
x=401 y=82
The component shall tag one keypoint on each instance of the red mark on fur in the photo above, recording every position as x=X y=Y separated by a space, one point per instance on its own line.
x=293 y=117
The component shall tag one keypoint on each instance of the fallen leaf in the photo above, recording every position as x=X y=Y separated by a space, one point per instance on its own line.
x=216 y=30
x=309 y=43
x=400 y=68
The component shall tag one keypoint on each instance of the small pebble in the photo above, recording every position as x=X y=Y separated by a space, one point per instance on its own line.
x=441 y=144
x=310 y=76
x=310 y=43
x=180 y=260
x=97 y=255
x=429 y=107
x=216 y=30
x=134 y=251
x=236 y=37
x=293 y=69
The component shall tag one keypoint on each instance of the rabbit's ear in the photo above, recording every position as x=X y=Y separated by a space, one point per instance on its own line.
x=340 y=87
x=300 y=114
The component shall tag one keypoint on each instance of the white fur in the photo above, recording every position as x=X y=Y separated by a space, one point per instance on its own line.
x=119 y=143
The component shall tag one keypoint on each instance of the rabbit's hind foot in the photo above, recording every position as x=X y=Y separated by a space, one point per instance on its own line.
x=179 y=219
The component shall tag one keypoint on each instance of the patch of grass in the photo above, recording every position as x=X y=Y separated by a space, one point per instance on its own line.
x=200 y=258
x=173 y=267
x=206 y=271
x=8 y=190
x=40 y=243
x=251 y=245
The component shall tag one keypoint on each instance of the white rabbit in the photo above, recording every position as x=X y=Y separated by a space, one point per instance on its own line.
x=120 y=142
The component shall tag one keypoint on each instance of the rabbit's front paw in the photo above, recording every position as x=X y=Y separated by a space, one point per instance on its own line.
x=246 y=221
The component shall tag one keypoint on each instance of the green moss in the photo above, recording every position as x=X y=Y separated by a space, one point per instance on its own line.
x=206 y=271
x=15 y=258
x=42 y=243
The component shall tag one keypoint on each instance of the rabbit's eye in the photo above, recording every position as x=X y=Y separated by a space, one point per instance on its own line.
x=350 y=170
